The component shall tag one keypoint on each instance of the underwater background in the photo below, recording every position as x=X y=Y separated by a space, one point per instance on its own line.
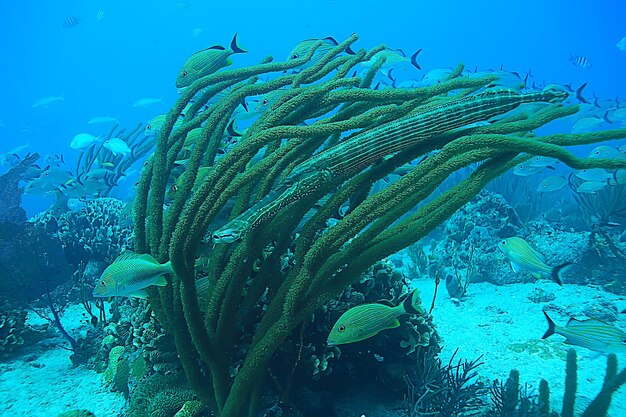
x=503 y=302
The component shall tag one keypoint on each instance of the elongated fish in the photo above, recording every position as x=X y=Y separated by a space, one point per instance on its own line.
x=46 y=101
x=206 y=62
x=524 y=256
x=367 y=320
x=591 y=334
x=130 y=274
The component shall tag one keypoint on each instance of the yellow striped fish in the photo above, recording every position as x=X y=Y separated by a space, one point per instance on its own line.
x=130 y=274
x=153 y=127
x=206 y=62
x=524 y=256
x=591 y=334
x=367 y=320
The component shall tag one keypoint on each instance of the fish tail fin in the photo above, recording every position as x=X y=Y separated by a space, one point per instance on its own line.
x=606 y=117
x=579 y=94
x=236 y=48
x=551 y=326
x=391 y=77
x=168 y=267
x=244 y=104
x=556 y=272
x=161 y=281
x=414 y=59
x=232 y=131
x=411 y=304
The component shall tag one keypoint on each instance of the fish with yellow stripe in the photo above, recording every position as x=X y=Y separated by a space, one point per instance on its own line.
x=207 y=62
x=523 y=256
x=130 y=274
x=367 y=320
x=591 y=334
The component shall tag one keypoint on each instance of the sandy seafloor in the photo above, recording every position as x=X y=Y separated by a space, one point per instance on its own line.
x=491 y=318
x=42 y=383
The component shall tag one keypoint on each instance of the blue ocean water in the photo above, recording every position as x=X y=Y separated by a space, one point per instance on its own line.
x=109 y=54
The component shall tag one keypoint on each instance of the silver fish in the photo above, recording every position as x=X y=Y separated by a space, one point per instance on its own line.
x=591 y=334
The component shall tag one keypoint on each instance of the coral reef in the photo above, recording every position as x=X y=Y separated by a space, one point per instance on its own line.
x=11 y=194
x=471 y=238
x=443 y=390
x=32 y=263
x=14 y=333
x=306 y=151
x=96 y=233
x=163 y=396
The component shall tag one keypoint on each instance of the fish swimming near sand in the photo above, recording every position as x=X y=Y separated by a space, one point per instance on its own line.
x=367 y=320
x=130 y=274
x=591 y=334
x=207 y=62
x=523 y=256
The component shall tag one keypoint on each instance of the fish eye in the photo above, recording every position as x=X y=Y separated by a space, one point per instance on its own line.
x=294 y=56
x=265 y=102
x=174 y=187
x=103 y=283
x=148 y=127
x=184 y=73
x=503 y=242
x=342 y=328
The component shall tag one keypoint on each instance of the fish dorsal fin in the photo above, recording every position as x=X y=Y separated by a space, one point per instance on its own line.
x=218 y=47
x=386 y=303
x=147 y=258
x=130 y=255
x=574 y=323
x=126 y=256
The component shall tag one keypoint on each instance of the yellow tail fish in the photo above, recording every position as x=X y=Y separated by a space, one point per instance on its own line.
x=524 y=256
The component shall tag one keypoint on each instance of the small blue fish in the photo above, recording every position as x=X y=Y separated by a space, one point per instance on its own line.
x=580 y=61
x=70 y=22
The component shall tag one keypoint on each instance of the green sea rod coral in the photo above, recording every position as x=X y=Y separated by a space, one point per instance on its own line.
x=329 y=135
x=509 y=399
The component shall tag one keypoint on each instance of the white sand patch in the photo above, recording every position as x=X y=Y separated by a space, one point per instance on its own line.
x=491 y=318
x=45 y=384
